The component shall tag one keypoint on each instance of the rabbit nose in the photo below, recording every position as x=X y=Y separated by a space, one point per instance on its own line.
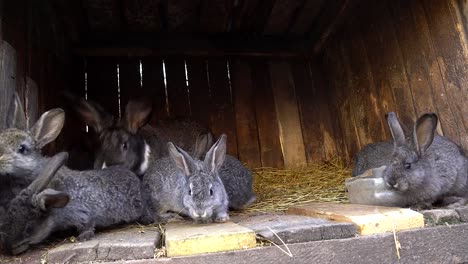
x=199 y=214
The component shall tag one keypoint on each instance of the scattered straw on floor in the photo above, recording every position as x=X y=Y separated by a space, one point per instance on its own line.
x=277 y=189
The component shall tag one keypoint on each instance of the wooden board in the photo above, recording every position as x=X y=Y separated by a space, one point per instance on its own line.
x=199 y=88
x=306 y=17
x=447 y=121
x=246 y=124
x=129 y=80
x=214 y=16
x=31 y=106
x=268 y=129
x=183 y=15
x=222 y=117
x=177 y=91
x=330 y=134
x=309 y=110
x=410 y=40
x=102 y=83
x=282 y=16
x=368 y=114
x=7 y=79
x=289 y=122
x=103 y=15
x=443 y=244
x=153 y=83
x=142 y=15
x=451 y=53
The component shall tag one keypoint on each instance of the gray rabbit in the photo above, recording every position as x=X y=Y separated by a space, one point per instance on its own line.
x=427 y=168
x=193 y=188
x=98 y=198
x=11 y=184
x=129 y=141
x=237 y=179
x=373 y=155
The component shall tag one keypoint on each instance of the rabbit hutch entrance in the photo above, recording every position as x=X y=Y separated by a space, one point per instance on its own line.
x=298 y=87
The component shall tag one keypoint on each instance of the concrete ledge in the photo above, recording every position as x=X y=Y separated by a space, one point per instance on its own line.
x=189 y=238
x=440 y=244
x=114 y=245
x=297 y=228
x=441 y=216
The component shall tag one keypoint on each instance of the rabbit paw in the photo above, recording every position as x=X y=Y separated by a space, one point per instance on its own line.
x=85 y=235
x=453 y=202
x=221 y=218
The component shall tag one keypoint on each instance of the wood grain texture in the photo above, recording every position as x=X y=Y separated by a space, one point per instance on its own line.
x=153 y=83
x=222 y=116
x=425 y=245
x=268 y=128
x=246 y=123
x=291 y=139
x=7 y=79
x=452 y=56
x=177 y=91
x=200 y=99
x=102 y=83
x=282 y=16
x=214 y=16
x=309 y=110
x=129 y=80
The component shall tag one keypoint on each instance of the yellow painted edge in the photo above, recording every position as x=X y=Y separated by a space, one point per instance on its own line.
x=210 y=244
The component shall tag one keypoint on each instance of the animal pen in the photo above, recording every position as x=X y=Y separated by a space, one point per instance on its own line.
x=298 y=87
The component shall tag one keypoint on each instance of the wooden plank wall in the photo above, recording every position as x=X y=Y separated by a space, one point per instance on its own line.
x=409 y=57
x=34 y=58
x=274 y=112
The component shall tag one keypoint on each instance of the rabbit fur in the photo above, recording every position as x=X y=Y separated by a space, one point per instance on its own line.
x=426 y=168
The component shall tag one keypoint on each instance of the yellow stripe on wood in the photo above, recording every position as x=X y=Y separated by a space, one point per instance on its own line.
x=367 y=218
x=189 y=238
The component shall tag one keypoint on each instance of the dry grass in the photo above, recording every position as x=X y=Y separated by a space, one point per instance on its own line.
x=277 y=189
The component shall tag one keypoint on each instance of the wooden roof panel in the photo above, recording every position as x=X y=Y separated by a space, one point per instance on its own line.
x=306 y=16
x=215 y=15
x=142 y=15
x=103 y=15
x=183 y=15
x=281 y=16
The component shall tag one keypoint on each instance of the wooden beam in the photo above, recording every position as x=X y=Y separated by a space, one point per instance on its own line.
x=442 y=244
x=217 y=46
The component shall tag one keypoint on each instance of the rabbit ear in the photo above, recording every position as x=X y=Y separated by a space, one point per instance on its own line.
x=396 y=130
x=91 y=112
x=16 y=116
x=204 y=142
x=423 y=133
x=49 y=171
x=50 y=198
x=48 y=127
x=214 y=159
x=136 y=114
x=181 y=158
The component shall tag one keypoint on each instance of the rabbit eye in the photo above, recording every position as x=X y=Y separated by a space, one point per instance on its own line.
x=407 y=166
x=22 y=149
x=211 y=192
x=125 y=145
x=190 y=192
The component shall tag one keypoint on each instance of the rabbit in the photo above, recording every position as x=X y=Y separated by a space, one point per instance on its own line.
x=237 y=179
x=183 y=185
x=98 y=198
x=427 y=168
x=10 y=186
x=373 y=155
x=132 y=143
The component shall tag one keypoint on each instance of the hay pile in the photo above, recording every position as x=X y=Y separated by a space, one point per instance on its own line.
x=277 y=189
